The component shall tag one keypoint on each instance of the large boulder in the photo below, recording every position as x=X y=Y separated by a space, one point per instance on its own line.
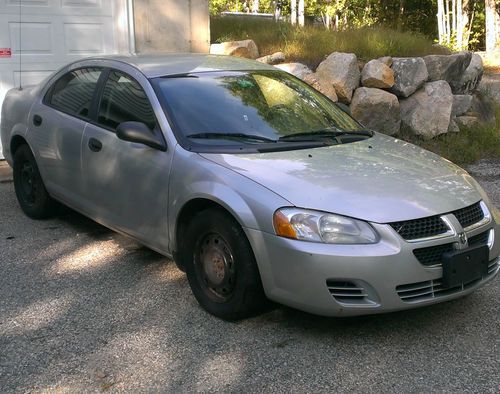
x=428 y=112
x=387 y=60
x=490 y=85
x=341 y=70
x=324 y=87
x=245 y=48
x=377 y=110
x=447 y=67
x=376 y=74
x=410 y=73
x=483 y=108
x=467 y=122
x=298 y=69
x=461 y=104
x=471 y=77
x=275 y=58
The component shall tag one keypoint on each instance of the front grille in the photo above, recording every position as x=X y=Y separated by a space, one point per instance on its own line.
x=479 y=239
x=431 y=289
x=347 y=292
x=469 y=215
x=420 y=228
x=434 y=225
x=432 y=255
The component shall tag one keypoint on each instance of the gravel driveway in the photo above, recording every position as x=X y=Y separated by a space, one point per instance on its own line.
x=84 y=309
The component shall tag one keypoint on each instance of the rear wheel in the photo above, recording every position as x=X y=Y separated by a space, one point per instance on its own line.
x=30 y=190
x=221 y=267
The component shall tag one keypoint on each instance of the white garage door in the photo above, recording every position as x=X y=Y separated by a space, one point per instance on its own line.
x=52 y=33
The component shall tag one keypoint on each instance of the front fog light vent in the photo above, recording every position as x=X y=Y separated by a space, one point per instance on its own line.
x=349 y=293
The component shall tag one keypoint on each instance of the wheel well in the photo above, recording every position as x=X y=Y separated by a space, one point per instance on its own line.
x=187 y=213
x=16 y=142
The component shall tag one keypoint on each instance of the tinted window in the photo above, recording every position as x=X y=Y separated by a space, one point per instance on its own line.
x=123 y=100
x=265 y=103
x=74 y=91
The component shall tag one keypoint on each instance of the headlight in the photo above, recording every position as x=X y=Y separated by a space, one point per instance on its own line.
x=323 y=227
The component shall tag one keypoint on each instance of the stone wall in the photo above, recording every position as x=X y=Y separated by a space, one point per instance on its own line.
x=426 y=96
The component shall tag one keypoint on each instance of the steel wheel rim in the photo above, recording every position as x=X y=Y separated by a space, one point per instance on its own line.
x=215 y=267
x=28 y=183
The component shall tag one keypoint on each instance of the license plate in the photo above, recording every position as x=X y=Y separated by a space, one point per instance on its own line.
x=464 y=266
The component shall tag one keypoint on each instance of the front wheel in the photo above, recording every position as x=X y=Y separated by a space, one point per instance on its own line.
x=28 y=184
x=221 y=267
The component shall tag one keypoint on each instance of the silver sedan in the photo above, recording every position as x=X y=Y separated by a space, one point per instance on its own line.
x=257 y=185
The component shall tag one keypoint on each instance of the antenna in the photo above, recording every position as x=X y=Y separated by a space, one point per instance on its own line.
x=20 y=46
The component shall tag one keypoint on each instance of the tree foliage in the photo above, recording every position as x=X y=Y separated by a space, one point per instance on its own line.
x=467 y=23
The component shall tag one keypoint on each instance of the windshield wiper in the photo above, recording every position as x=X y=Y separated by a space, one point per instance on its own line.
x=240 y=136
x=316 y=134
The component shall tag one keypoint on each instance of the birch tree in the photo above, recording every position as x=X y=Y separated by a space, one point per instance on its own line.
x=492 y=32
x=453 y=26
x=293 y=12
x=255 y=6
x=301 y=16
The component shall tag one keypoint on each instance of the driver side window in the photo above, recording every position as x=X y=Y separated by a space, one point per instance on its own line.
x=123 y=100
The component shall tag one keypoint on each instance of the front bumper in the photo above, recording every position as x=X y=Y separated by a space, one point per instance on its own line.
x=349 y=280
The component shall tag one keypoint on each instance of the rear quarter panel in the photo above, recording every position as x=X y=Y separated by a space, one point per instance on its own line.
x=15 y=115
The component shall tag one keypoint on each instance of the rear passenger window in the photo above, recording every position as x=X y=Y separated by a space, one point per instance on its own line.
x=73 y=92
x=123 y=100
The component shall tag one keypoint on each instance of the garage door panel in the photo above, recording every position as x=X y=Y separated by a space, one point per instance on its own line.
x=32 y=77
x=25 y=3
x=59 y=7
x=84 y=38
x=36 y=38
x=81 y=3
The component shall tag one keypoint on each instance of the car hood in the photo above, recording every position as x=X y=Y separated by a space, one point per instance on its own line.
x=380 y=179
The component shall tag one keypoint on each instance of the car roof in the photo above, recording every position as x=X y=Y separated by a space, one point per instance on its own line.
x=183 y=63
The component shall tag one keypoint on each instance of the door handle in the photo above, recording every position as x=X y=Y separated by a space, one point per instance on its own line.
x=95 y=145
x=37 y=120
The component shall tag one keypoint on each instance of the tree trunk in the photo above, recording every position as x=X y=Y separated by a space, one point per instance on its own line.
x=440 y=18
x=293 y=11
x=448 y=27
x=301 y=13
x=454 y=16
x=460 y=25
x=255 y=6
x=327 y=20
x=401 y=14
x=491 y=25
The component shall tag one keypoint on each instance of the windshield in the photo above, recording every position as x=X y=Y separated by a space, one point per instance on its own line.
x=253 y=107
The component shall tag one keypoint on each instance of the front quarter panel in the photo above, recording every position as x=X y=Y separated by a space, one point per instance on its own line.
x=195 y=177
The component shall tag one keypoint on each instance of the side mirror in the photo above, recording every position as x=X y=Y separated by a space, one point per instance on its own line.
x=140 y=133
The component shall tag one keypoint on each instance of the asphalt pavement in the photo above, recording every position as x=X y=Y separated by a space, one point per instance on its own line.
x=83 y=309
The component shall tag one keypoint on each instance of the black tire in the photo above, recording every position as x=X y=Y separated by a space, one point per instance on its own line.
x=28 y=184
x=221 y=267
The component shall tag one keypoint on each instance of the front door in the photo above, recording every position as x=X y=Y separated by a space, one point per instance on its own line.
x=126 y=183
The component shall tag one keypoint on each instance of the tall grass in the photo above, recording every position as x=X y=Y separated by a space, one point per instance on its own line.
x=310 y=44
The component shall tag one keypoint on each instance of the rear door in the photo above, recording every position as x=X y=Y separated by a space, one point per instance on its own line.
x=56 y=129
x=126 y=184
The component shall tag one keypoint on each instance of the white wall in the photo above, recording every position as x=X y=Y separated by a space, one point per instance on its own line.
x=172 y=26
